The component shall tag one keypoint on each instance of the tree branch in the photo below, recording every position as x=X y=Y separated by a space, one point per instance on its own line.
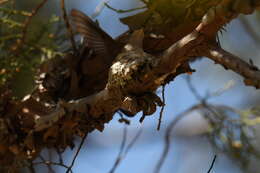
x=250 y=72
x=167 y=137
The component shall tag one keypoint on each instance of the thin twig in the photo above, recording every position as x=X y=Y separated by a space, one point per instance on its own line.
x=69 y=30
x=127 y=149
x=131 y=144
x=77 y=153
x=48 y=165
x=167 y=137
x=212 y=164
x=122 y=146
x=123 y=119
x=99 y=8
x=59 y=155
x=51 y=163
x=193 y=89
x=50 y=159
x=162 y=108
x=203 y=100
x=26 y=24
x=124 y=11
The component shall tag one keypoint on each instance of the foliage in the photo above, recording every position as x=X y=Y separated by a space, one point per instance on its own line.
x=233 y=132
x=25 y=45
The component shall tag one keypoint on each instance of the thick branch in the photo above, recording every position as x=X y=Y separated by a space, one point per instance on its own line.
x=250 y=72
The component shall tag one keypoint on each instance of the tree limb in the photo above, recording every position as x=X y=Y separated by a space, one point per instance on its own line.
x=250 y=72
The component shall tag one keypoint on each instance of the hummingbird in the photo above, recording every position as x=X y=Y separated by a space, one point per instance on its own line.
x=106 y=51
x=103 y=48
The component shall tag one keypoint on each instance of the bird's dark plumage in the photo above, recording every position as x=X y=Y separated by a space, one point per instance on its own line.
x=99 y=41
x=106 y=50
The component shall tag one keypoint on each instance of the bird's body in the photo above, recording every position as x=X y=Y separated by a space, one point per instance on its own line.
x=113 y=63
x=106 y=63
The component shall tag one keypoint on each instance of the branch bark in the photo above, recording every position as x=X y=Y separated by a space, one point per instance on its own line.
x=250 y=72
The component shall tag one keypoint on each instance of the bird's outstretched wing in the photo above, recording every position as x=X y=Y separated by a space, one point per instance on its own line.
x=96 y=38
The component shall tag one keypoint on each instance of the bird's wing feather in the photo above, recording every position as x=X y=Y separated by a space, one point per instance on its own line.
x=96 y=38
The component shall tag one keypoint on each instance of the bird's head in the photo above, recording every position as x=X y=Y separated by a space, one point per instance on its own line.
x=135 y=41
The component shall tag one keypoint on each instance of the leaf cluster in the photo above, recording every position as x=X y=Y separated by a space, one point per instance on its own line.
x=25 y=43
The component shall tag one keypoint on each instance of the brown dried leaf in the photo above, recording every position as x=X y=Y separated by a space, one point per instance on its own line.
x=3 y=148
x=68 y=126
x=14 y=149
x=29 y=141
x=51 y=132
